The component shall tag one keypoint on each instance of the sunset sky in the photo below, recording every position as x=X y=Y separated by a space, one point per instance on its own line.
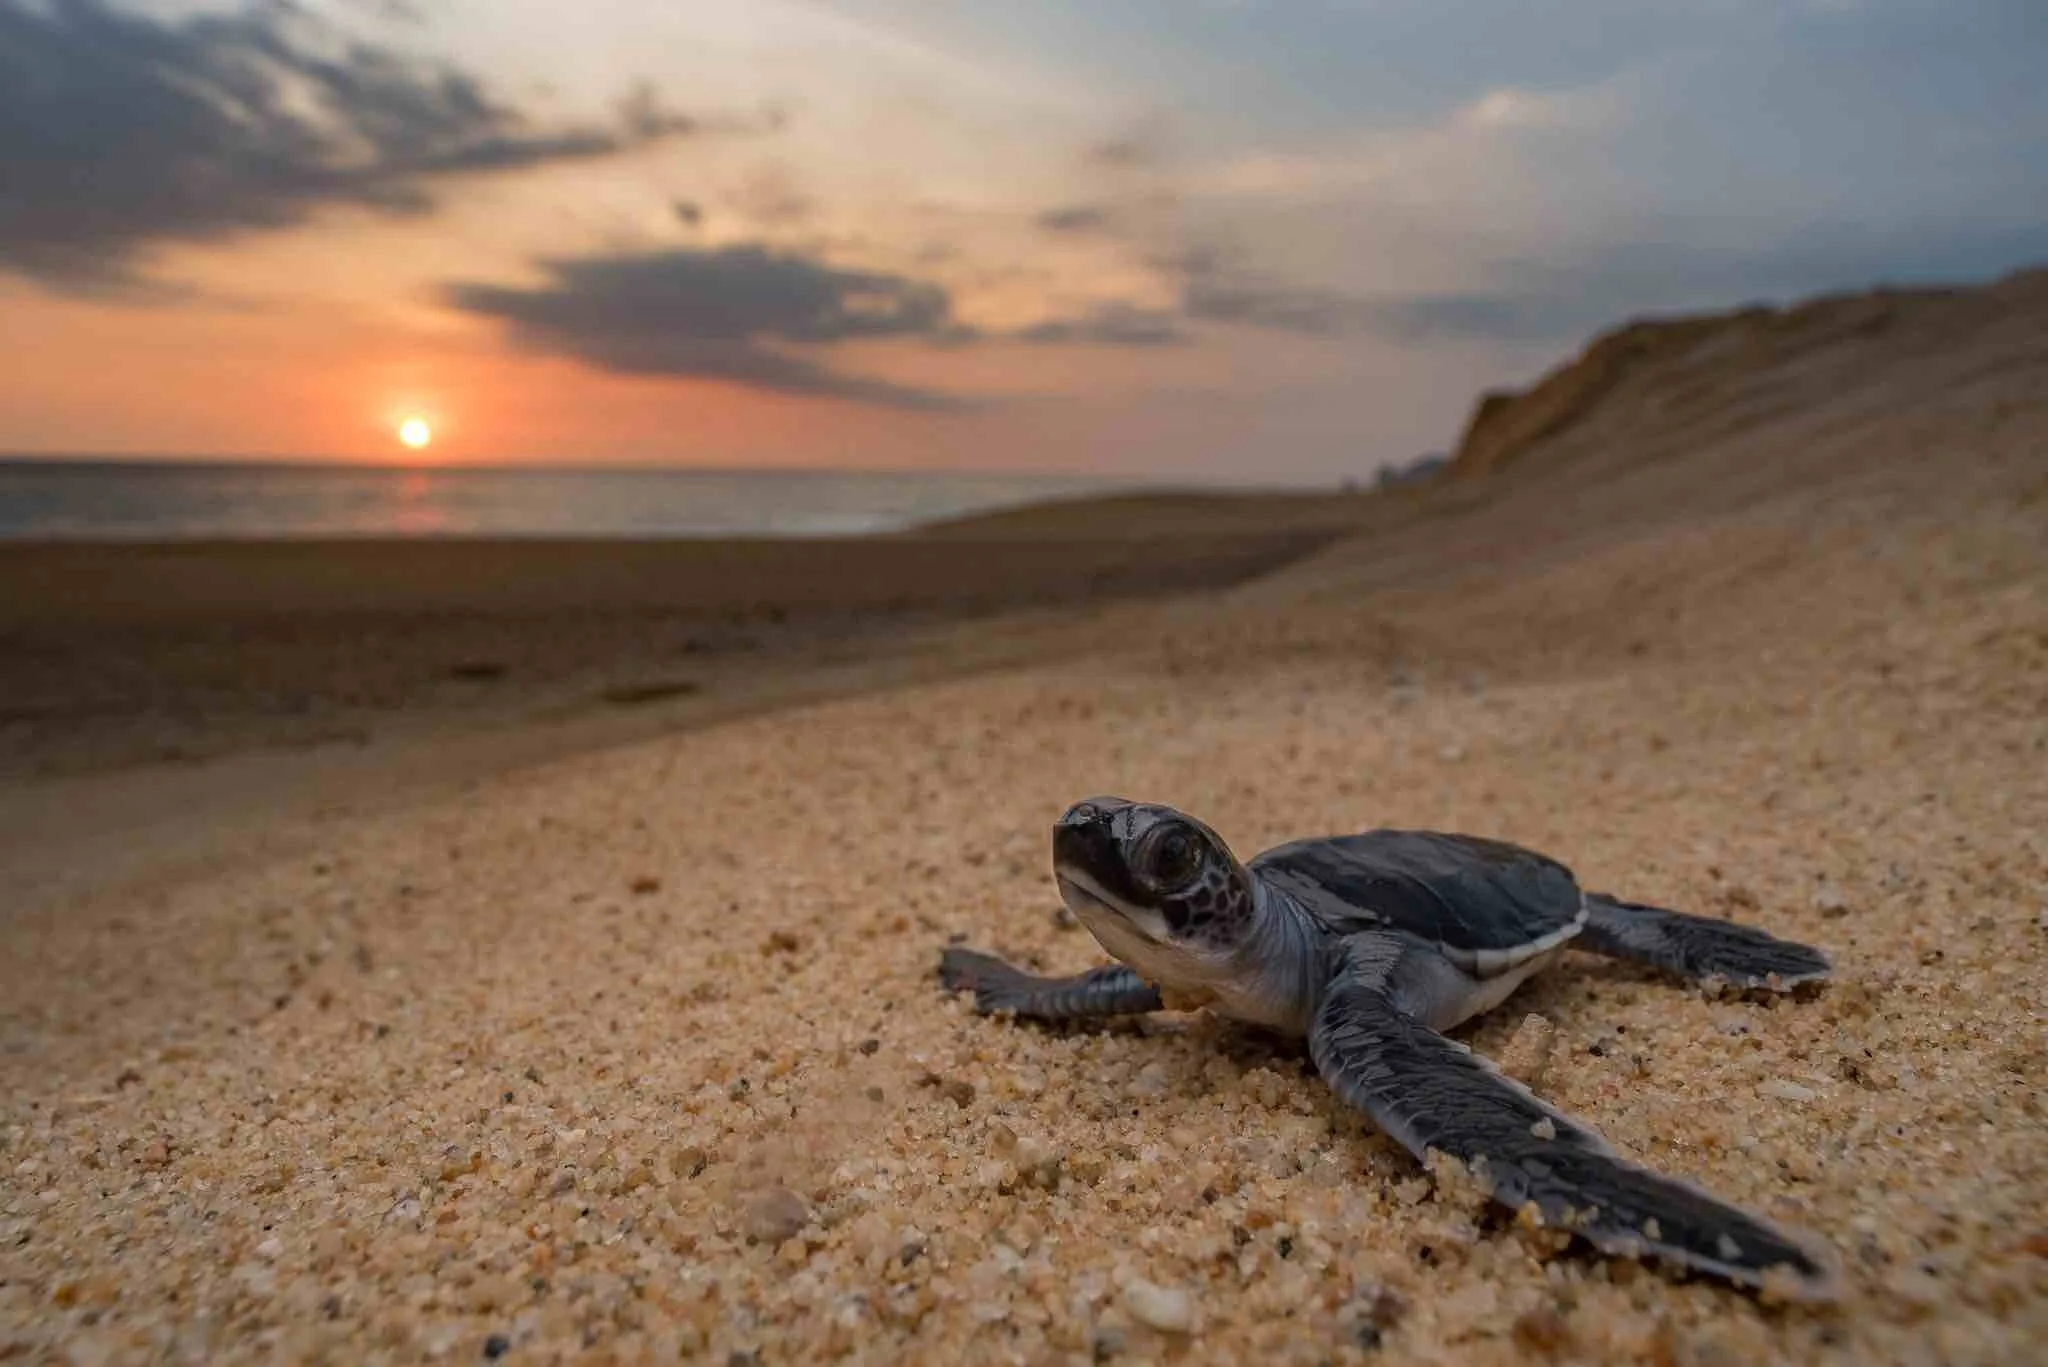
x=1260 y=239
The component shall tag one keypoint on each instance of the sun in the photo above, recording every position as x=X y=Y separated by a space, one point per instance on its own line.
x=415 y=433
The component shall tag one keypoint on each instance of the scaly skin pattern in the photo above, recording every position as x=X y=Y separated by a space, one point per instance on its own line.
x=1370 y=946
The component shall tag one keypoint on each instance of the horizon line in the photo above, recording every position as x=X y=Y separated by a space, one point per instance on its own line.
x=551 y=465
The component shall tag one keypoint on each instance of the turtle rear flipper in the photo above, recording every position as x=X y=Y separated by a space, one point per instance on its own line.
x=1429 y=1092
x=1112 y=990
x=1696 y=946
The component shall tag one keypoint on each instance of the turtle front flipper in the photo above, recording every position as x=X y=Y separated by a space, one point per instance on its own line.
x=1697 y=946
x=1429 y=1092
x=1112 y=990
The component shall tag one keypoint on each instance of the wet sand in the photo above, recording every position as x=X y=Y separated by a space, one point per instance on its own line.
x=636 y=1051
x=124 y=654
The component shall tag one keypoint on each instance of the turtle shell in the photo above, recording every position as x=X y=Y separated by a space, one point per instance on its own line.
x=1487 y=904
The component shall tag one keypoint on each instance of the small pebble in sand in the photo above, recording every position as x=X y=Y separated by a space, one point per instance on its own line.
x=959 y=1091
x=1783 y=1090
x=775 y=1215
x=1541 y=1330
x=1372 y=1313
x=1106 y=1342
x=1153 y=1079
x=1913 y=1292
x=1526 y=1058
x=1039 y=1163
x=1379 y=1305
x=1167 y=1309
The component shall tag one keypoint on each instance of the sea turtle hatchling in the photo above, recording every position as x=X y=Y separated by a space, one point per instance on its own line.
x=1370 y=946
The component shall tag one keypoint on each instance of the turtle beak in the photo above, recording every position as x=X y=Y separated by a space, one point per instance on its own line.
x=1081 y=839
x=1085 y=849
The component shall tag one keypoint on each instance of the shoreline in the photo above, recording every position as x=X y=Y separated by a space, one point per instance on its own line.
x=112 y=633
x=151 y=584
x=190 y=695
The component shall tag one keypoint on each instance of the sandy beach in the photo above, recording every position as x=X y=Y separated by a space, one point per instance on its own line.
x=564 y=1027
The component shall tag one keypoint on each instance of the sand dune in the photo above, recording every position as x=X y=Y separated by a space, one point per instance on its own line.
x=1672 y=382
x=637 y=1052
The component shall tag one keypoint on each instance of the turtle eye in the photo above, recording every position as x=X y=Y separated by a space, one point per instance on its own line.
x=1169 y=858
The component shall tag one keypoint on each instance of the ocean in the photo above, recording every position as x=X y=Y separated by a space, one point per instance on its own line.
x=50 y=500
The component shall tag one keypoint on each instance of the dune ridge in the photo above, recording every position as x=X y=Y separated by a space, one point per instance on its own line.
x=1714 y=370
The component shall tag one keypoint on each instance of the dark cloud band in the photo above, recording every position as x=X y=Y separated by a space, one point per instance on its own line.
x=119 y=132
x=745 y=314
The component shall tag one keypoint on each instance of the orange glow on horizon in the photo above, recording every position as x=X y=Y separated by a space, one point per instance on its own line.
x=302 y=381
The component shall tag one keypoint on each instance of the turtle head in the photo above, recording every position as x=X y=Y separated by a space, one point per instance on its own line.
x=1159 y=889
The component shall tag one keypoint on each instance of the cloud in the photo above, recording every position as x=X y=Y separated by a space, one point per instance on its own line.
x=1567 y=298
x=1208 y=286
x=771 y=198
x=1112 y=324
x=1074 y=218
x=1219 y=289
x=1695 y=176
x=1501 y=317
x=1143 y=145
x=1215 y=289
x=120 y=132
x=1215 y=285
x=1123 y=153
x=1653 y=269
x=746 y=314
